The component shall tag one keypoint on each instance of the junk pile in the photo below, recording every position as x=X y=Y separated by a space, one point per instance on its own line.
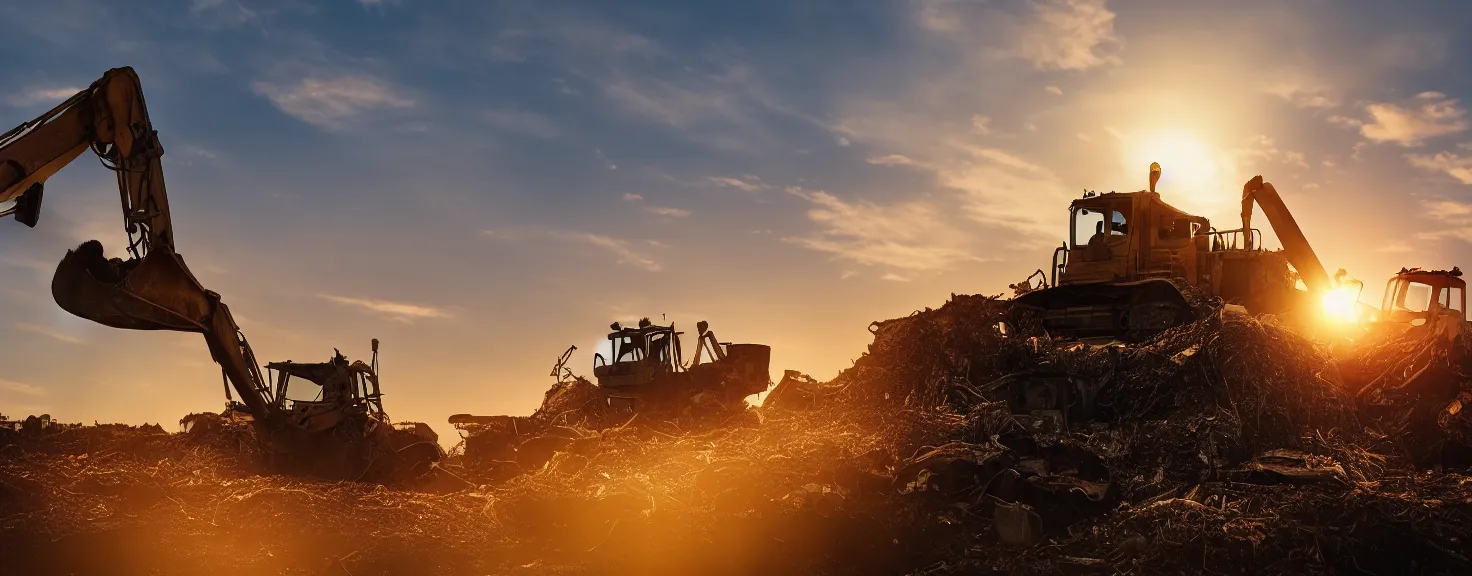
x=964 y=441
x=1230 y=445
x=117 y=499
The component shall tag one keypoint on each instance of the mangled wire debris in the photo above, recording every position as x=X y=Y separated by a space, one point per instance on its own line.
x=954 y=446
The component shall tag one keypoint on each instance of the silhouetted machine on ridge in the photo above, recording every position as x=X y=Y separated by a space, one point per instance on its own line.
x=1120 y=273
x=647 y=368
x=154 y=290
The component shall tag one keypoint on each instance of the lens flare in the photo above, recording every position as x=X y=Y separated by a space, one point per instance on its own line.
x=1339 y=304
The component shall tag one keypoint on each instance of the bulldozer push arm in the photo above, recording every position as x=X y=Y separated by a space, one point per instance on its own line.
x=1295 y=245
x=152 y=289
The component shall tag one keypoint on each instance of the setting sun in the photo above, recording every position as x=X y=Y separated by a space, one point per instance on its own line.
x=1188 y=163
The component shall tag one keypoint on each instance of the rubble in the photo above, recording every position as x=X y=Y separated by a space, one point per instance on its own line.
x=1229 y=445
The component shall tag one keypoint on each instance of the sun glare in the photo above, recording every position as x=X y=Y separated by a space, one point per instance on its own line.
x=1187 y=162
x=1340 y=304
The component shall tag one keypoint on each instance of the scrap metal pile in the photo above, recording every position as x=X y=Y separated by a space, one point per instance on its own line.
x=1228 y=445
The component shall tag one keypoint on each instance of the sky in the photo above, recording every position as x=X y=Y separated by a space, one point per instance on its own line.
x=480 y=185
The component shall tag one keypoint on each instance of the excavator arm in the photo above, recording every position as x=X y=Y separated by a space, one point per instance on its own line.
x=1295 y=245
x=152 y=289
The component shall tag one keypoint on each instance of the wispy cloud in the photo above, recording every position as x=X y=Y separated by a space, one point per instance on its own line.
x=20 y=388
x=667 y=211
x=1409 y=123
x=34 y=96
x=400 y=311
x=909 y=236
x=1455 y=165
x=1262 y=149
x=1451 y=218
x=890 y=160
x=50 y=333
x=329 y=101
x=1054 y=90
x=1302 y=91
x=998 y=187
x=607 y=163
x=981 y=124
x=1069 y=35
x=1050 y=34
x=1006 y=159
x=748 y=182
x=623 y=250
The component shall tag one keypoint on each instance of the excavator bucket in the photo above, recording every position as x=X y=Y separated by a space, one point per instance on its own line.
x=156 y=292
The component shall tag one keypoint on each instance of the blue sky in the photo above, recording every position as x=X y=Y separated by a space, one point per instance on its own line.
x=481 y=184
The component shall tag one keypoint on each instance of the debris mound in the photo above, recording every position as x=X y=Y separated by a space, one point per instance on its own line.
x=963 y=441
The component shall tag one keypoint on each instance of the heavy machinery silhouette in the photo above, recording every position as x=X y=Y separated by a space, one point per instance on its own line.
x=1120 y=274
x=646 y=368
x=1123 y=274
x=154 y=290
x=646 y=372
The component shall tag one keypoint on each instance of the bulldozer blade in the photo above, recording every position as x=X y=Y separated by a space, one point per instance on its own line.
x=156 y=292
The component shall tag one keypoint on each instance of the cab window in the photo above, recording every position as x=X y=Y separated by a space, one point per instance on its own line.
x=1176 y=229
x=1118 y=225
x=1413 y=297
x=1086 y=223
x=1090 y=222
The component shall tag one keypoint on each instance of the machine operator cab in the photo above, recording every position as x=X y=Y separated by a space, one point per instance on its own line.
x=339 y=389
x=639 y=355
x=1415 y=296
x=1126 y=235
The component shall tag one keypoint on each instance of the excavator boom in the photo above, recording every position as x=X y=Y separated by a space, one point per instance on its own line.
x=153 y=289
x=109 y=117
x=1295 y=245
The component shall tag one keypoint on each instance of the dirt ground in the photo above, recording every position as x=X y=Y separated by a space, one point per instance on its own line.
x=1229 y=446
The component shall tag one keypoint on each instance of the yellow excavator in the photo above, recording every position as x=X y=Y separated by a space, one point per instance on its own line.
x=153 y=289
x=1122 y=272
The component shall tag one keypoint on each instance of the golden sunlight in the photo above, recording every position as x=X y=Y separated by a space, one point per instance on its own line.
x=1339 y=304
x=1187 y=164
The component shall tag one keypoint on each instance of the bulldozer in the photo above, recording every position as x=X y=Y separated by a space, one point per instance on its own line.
x=153 y=289
x=1121 y=274
x=645 y=371
x=646 y=368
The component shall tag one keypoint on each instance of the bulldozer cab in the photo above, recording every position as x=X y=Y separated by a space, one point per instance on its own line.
x=1414 y=296
x=639 y=355
x=1123 y=236
x=339 y=390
